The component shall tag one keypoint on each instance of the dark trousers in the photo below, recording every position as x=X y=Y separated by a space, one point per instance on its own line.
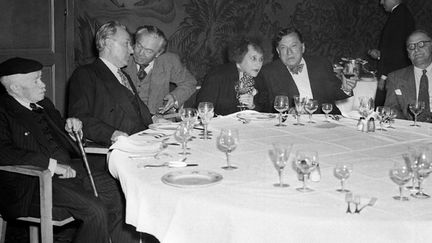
x=100 y=219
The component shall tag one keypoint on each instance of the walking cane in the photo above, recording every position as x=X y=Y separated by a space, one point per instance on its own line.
x=84 y=156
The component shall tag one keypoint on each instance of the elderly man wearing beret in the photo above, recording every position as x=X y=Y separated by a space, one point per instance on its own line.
x=32 y=132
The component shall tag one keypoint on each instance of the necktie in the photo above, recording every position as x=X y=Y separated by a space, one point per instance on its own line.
x=123 y=80
x=141 y=72
x=424 y=91
x=297 y=69
x=36 y=108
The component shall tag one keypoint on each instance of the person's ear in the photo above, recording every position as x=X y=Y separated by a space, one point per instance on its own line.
x=303 y=48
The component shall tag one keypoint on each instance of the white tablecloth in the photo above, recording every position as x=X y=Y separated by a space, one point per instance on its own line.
x=365 y=87
x=245 y=207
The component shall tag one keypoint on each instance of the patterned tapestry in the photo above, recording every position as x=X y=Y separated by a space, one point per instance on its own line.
x=200 y=30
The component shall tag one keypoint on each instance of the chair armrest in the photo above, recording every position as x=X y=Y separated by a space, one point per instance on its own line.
x=25 y=170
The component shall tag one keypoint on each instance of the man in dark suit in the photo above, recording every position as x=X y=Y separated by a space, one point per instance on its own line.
x=33 y=133
x=413 y=83
x=391 y=51
x=102 y=95
x=291 y=74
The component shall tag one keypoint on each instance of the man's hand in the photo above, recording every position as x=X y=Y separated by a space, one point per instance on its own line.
x=348 y=84
x=375 y=54
x=247 y=99
x=65 y=171
x=74 y=125
x=116 y=134
x=169 y=101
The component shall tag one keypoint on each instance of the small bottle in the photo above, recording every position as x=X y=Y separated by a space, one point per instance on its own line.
x=360 y=124
x=365 y=126
x=371 y=125
x=315 y=175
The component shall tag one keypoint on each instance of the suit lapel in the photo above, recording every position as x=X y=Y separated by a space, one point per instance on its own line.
x=408 y=85
x=116 y=90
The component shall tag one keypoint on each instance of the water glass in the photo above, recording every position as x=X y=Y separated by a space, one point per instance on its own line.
x=206 y=113
x=326 y=108
x=342 y=171
x=366 y=106
x=416 y=108
x=299 y=103
x=306 y=161
x=227 y=142
x=182 y=135
x=281 y=104
x=189 y=116
x=311 y=106
x=400 y=174
x=279 y=155
x=422 y=170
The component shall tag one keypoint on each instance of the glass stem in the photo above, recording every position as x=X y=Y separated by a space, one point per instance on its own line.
x=304 y=181
x=342 y=185
x=280 y=177
x=326 y=117
x=298 y=118
x=280 y=118
x=310 y=117
x=228 y=159
x=205 y=131
x=415 y=119
x=184 y=148
x=420 y=182
x=400 y=192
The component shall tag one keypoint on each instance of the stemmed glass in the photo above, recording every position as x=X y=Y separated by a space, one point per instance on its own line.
x=366 y=106
x=311 y=106
x=182 y=135
x=306 y=161
x=227 y=142
x=299 y=103
x=241 y=88
x=279 y=155
x=416 y=109
x=326 y=108
x=400 y=174
x=421 y=171
x=206 y=113
x=189 y=116
x=342 y=171
x=281 y=104
x=392 y=116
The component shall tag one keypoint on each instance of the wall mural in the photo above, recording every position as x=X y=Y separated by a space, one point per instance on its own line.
x=200 y=30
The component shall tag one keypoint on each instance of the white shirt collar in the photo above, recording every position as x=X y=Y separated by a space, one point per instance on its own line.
x=111 y=66
x=304 y=67
x=148 y=68
x=395 y=7
x=24 y=103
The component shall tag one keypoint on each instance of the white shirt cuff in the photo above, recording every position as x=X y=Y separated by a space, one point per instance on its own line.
x=52 y=165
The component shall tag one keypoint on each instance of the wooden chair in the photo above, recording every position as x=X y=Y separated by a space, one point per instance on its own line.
x=45 y=221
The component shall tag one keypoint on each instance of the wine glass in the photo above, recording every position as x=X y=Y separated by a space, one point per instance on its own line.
x=299 y=103
x=422 y=170
x=306 y=161
x=206 y=113
x=342 y=171
x=392 y=116
x=227 y=142
x=311 y=106
x=281 y=104
x=189 y=116
x=182 y=135
x=400 y=174
x=241 y=88
x=416 y=109
x=279 y=155
x=366 y=106
x=326 y=108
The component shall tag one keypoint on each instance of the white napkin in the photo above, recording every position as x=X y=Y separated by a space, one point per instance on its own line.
x=137 y=145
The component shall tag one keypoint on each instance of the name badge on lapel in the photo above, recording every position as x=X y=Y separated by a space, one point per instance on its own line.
x=398 y=92
x=26 y=133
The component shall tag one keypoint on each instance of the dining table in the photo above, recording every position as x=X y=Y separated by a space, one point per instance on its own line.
x=243 y=205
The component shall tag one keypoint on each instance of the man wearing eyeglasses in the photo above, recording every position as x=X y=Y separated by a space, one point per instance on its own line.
x=409 y=85
x=153 y=71
x=391 y=53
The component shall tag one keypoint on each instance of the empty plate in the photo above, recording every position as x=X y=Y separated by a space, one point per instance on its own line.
x=191 y=178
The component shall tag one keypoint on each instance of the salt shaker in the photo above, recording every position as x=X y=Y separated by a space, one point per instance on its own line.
x=315 y=175
x=360 y=124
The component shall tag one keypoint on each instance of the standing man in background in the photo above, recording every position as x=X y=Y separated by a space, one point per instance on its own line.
x=153 y=71
x=391 y=54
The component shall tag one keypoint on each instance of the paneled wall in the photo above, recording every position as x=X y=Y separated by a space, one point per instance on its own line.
x=199 y=30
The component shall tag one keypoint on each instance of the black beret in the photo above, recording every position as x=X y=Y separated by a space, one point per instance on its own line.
x=18 y=65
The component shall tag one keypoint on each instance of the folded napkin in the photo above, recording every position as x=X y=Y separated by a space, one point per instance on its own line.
x=137 y=145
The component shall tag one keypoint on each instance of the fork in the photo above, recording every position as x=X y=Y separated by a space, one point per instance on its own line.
x=371 y=202
x=155 y=135
x=348 y=200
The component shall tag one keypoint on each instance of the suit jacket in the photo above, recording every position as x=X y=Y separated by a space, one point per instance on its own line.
x=401 y=91
x=275 y=79
x=398 y=26
x=167 y=69
x=22 y=142
x=104 y=105
x=218 y=88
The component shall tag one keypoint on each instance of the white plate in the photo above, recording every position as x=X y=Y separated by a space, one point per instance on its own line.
x=191 y=178
x=164 y=126
x=256 y=116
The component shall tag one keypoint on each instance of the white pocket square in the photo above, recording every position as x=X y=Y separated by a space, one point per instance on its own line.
x=398 y=92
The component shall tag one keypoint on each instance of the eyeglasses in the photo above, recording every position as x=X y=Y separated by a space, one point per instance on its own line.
x=420 y=44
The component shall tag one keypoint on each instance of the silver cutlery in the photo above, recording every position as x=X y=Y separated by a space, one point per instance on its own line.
x=244 y=120
x=155 y=135
x=371 y=202
x=348 y=200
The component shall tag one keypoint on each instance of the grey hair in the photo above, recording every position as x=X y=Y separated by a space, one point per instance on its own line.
x=105 y=31
x=151 y=30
